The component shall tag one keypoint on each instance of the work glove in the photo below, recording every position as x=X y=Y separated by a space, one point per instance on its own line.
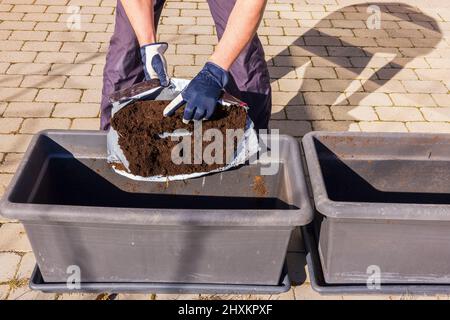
x=155 y=65
x=202 y=93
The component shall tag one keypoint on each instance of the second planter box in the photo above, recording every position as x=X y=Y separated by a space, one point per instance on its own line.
x=384 y=206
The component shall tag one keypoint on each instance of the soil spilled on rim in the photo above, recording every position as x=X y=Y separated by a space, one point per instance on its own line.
x=140 y=124
x=259 y=186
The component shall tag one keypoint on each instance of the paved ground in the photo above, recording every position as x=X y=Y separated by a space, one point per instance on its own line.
x=332 y=68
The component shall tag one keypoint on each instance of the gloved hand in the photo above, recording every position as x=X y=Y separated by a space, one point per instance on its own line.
x=202 y=93
x=155 y=65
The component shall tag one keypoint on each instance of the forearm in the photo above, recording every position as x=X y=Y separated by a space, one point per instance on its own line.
x=240 y=30
x=141 y=16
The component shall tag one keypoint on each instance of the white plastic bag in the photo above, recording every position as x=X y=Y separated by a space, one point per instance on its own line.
x=247 y=146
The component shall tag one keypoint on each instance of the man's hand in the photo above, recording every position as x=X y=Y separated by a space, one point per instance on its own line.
x=155 y=65
x=202 y=93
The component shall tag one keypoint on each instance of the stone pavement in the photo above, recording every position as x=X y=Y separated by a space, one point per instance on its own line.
x=334 y=66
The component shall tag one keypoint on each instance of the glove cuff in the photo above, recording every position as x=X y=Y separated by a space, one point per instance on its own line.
x=220 y=74
x=154 y=48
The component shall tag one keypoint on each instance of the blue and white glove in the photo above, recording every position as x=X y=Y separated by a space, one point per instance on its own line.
x=155 y=65
x=202 y=93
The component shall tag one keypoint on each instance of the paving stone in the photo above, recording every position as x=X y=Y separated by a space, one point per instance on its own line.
x=371 y=99
x=222 y=297
x=442 y=100
x=11 y=162
x=26 y=267
x=308 y=113
x=41 y=46
x=80 y=47
x=3 y=107
x=37 y=81
x=29 y=8
x=128 y=296
x=424 y=86
x=59 y=95
x=366 y=297
x=324 y=98
x=38 y=124
x=399 y=114
x=76 y=110
x=91 y=96
x=77 y=296
x=29 y=109
x=9 y=262
x=17 y=94
x=412 y=99
x=5 y=179
x=69 y=69
x=4 y=290
x=436 y=114
x=25 y=293
x=10 y=125
x=293 y=128
x=66 y=36
x=334 y=126
x=29 y=35
x=55 y=57
x=353 y=113
x=429 y=127
x=85 y=124
x=383 y=126
x=305 y=292
x=29 y=68
x=4 y=66
x=14 y=143
x=299 y=84
x=13 y=238
x=84 y=82
x=288 y=98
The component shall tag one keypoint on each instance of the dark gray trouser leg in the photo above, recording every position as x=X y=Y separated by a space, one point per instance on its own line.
x=250 y=75
x=123 y=66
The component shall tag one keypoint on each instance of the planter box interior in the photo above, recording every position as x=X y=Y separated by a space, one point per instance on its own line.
x=215 y=229
x=383 y=201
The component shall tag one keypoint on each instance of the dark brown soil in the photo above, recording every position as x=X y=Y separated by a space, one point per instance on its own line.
x=140 y=124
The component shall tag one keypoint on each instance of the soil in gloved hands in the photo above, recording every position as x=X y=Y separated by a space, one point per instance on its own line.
x=140 y=124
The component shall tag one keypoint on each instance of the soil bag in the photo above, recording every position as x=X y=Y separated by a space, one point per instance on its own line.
x=122 y=154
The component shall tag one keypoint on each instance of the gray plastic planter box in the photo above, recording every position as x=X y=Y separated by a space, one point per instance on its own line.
x=215 y=229
x=384 y=202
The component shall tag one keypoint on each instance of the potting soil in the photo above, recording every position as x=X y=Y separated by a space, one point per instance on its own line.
x=141 y=124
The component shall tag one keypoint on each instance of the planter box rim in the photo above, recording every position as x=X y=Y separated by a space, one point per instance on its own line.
x=367 y=210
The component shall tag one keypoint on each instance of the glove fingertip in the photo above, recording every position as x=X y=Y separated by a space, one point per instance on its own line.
x=209 y=113
x=188 y=114
x=199 y=114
